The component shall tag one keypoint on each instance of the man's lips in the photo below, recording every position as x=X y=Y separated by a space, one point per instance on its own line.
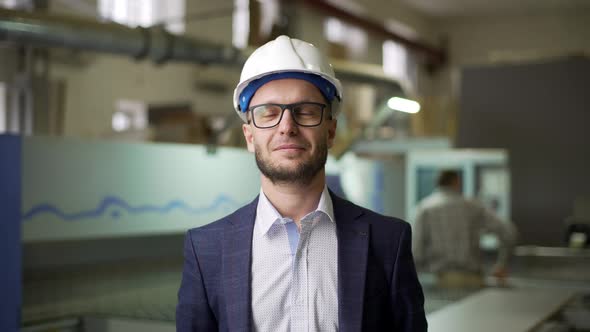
x=289 y=147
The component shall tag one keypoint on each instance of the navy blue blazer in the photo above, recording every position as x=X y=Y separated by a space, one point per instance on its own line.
x=378 y=289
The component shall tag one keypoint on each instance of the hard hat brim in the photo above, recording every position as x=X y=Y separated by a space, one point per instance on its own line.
x=240 y=88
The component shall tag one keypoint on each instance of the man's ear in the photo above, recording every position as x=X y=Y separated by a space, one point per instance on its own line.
x=331 y=132
x=247 y=129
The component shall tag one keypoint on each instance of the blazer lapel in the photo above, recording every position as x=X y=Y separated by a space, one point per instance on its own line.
x=236 y=262
x=353 y=246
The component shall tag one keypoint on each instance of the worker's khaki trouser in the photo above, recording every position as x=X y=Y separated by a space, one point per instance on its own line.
x=456 y=279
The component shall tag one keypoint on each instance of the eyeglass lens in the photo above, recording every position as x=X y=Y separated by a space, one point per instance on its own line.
x=304 y=114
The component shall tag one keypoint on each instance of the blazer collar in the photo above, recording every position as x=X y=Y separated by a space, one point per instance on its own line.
x=353 y=247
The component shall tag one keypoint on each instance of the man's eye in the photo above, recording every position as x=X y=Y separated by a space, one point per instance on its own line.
x=270 y=112
x=304 y=111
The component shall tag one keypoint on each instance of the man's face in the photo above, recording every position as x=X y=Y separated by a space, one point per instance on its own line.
x=289 y=153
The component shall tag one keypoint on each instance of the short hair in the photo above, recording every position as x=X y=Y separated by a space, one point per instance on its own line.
x=447 y=177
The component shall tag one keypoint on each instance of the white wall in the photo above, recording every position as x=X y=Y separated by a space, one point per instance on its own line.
x=93 y=87
x=92 y=90
x=399 y=11
x=476 y=41
x=485 y=41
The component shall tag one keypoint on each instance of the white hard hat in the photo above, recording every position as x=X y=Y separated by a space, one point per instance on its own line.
x=287 y=57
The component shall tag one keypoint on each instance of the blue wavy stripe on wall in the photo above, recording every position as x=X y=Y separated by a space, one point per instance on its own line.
x=115 y=204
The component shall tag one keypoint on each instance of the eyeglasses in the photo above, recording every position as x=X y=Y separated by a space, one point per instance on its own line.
x=305 y=114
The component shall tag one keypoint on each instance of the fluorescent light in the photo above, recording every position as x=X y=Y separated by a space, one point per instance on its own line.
x=403 y=105
x=121 y=121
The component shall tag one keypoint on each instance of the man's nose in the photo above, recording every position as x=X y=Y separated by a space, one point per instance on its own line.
x=288 y=125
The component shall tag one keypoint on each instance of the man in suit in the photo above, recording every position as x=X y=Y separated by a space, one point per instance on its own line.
x=297 y=258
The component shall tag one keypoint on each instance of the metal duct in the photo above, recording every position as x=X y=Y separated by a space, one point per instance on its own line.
x=78 y=33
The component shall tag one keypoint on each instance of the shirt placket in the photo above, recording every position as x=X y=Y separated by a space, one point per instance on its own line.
x=300 y=291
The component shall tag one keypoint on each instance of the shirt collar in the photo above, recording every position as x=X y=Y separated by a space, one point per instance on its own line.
x=325 y=205
x=267 y=215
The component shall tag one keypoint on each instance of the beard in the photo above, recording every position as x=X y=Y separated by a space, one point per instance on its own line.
x=303 y=173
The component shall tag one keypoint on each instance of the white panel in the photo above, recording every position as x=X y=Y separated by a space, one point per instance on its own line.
x=514 y=310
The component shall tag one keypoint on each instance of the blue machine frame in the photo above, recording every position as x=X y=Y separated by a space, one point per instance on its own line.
x=10 y=232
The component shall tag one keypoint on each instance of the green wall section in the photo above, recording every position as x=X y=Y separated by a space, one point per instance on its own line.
x=73 y=189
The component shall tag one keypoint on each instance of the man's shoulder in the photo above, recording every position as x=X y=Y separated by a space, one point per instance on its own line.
x=222 y=224
x=374 y=218
x=386 y=232
x=440 y=199
x=434 y=199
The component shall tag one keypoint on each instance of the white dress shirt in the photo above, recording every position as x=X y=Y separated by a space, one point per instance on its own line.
x=295 y=274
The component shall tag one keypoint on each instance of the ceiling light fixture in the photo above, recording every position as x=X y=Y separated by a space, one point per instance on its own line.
x=403 y=105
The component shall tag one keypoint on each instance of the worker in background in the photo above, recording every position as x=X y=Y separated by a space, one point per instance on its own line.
x=447 y=234
x=298 y=257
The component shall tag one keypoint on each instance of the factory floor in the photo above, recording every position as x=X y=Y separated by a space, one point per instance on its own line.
x=134 y=290
x=131 y=289
x=147 y=290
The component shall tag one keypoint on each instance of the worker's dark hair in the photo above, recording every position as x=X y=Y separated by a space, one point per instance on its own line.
x=447 y=177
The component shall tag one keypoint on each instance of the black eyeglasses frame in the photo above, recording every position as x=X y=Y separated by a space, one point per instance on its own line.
x=290 y=108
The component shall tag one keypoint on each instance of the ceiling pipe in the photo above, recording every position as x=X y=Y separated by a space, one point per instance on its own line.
x=82 y=34
x=436 y=57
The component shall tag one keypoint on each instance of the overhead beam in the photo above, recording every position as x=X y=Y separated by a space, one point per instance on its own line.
x=435 y=57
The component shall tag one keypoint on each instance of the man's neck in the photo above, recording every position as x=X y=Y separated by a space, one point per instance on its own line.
x=294 y=200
